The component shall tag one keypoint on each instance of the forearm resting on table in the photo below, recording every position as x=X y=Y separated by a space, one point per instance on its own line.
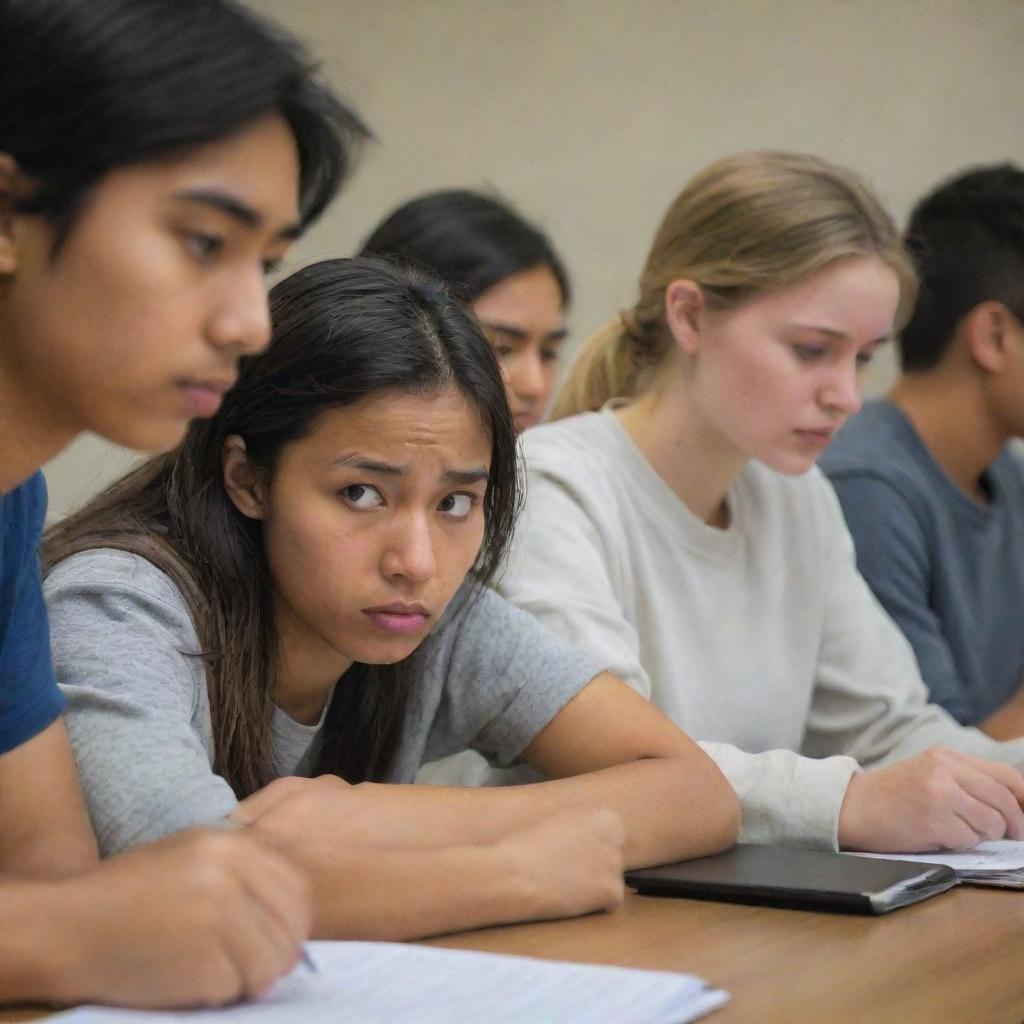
x=400 y=894
x=608 y=747
x=671 y=810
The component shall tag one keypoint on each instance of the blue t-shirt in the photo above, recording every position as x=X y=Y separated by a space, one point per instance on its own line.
x=29 y=697
x=947 y=568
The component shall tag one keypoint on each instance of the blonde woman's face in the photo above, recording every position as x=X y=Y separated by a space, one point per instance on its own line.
x=779 y=375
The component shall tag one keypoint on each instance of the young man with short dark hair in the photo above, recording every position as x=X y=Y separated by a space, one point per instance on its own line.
x=931 y=487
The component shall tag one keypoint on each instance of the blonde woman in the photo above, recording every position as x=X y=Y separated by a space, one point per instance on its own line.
x=677 y=526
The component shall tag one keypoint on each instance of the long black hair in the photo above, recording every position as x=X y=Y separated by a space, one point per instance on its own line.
x=471 y=241
x=343 y=330
x=91 y=85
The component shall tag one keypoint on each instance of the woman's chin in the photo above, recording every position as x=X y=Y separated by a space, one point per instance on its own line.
x=386 y=652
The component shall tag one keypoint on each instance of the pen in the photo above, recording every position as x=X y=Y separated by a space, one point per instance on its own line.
x=304 y=957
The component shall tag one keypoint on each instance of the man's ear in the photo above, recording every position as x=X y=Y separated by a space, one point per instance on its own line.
x=10 y=176
x=986 y=329
x=684 y=303
x=244 y=482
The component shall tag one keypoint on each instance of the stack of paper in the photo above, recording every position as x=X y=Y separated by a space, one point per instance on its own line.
x=999 y=862
x=382 y=982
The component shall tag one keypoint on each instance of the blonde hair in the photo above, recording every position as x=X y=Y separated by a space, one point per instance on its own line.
x=748 y=224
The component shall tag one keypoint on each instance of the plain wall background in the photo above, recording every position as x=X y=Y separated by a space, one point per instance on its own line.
x=590 y=115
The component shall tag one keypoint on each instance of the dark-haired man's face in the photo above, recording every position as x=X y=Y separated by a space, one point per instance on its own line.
x=1007 y=387
x=136 y=324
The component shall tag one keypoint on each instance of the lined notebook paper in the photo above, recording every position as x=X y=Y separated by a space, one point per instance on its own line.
x=998 y=862
x=388 y=983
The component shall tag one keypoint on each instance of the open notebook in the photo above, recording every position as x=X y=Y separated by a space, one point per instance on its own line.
x=999 y=863
x=393 y=983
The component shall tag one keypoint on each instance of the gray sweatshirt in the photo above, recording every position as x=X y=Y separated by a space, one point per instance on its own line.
x=125 y=648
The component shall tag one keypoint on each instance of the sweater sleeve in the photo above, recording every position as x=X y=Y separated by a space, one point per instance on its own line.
x=566 y=572
x=869 y=699
x=892 y=556
x=126 y=657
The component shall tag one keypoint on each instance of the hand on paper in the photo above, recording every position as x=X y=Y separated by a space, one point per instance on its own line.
x=941 y=799
x=199 y=919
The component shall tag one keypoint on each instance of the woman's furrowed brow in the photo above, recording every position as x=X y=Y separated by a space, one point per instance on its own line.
x=467 y=476
x=455 y=476
x=356 y=461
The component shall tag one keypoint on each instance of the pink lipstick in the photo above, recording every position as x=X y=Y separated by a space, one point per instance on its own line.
x=398 y=618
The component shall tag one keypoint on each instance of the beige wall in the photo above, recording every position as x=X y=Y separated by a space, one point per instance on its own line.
x=590 y=114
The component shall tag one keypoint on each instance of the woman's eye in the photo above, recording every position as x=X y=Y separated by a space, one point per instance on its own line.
x=502 y=351
x=808 y=353
x=204 y=247
x=549 y=355
x=864 y=358
x=457 y=506
x=363 y=497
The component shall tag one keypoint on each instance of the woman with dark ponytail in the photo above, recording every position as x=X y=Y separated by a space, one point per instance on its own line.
x=501 y=265
x=300 y=589
x=156 y=156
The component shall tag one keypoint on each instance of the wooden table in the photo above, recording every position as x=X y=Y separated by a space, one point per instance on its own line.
x=956 y=959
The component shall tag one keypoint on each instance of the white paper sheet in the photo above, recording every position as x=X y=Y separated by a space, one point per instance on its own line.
x=995 y=855
x=388 y=983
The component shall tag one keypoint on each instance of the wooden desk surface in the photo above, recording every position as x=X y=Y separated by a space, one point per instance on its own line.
x=956 y=959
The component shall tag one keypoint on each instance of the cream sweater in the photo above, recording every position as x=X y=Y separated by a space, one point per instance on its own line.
x=760 y=640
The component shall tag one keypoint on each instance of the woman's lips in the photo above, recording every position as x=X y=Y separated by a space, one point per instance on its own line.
x=816 y=438
x=398 y=619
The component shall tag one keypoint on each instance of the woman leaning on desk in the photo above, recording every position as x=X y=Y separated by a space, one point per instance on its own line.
x=300 y=589
x=677 y=526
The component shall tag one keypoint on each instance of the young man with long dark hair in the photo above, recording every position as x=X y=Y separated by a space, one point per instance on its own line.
x=155 y=157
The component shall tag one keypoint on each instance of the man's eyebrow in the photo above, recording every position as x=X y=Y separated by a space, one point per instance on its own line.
x=235 y=208
x=519 y=334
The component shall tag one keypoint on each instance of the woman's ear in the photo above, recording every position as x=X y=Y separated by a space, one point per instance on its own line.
x=684 y=302
x=244 y=482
